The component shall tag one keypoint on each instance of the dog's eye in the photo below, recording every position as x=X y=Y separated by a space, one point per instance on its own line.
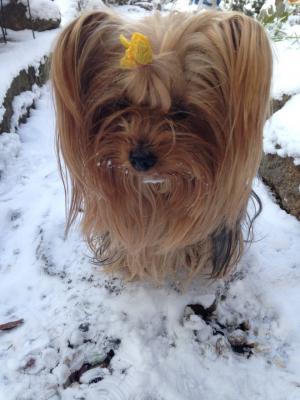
x=179 y=114
x=107 y=109
x=121 y=104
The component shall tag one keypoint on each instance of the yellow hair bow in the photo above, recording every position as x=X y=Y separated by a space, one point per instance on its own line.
x=138 y=51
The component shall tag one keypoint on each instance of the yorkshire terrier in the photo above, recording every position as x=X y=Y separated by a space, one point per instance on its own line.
x=159 y=124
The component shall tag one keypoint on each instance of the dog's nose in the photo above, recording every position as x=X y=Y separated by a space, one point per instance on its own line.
x=142 y=158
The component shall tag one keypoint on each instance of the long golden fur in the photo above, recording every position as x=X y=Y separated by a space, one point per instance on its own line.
x=200 y=107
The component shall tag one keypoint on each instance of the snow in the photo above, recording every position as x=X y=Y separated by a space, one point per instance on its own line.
x=286 y=78
x=42 y=9
x=21 y=104
x=75 y=314
x=69 y=10
x=282 y=131
x=131 y=11
x=9 y=148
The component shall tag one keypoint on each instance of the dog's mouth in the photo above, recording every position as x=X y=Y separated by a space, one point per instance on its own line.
x=157 y=184
x=153 y=180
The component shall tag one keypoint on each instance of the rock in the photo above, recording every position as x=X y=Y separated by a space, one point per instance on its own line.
x=92 y=375
x=41 y=15
x=222 y=346
x=76 y=339
x=237 y=337
x=194 y=322
x=84 y=327
x=22 y=82
x=148 y=5
x=283 y=177
x=116 y=2
x=281 y=174
x=278 y=103
x=145 y=5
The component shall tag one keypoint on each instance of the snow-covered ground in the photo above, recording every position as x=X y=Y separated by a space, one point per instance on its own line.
x=287 y=65
x=75 y=314
x=87 y=335
x=282 y=131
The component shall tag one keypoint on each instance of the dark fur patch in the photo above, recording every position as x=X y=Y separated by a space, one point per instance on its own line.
x=227 y=246
x=228 y=243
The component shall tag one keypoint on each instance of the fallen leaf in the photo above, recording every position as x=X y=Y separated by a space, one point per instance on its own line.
x=11 y=325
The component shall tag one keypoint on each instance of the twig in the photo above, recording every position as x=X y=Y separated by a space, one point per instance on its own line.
x=11 y=325
x=31 y=20
x=2 y=23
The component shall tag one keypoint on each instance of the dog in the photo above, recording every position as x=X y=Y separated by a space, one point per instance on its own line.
x=159 y=125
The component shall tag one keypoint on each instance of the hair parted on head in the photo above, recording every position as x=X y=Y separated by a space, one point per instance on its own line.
x=195 y=112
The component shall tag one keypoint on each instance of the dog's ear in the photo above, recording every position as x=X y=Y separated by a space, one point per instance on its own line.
x=245 y=73
x=246 y=97
x=81 y=54
x=227 y=62
x=228 y=65
x=249 y=71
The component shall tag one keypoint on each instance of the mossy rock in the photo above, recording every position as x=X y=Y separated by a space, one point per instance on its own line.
x=283 y=177
x=277 y=104
x=22 y=82
x=16 y=15
x=281 y=174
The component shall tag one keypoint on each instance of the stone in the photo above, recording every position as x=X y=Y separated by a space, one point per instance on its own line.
x=41 y=15
x=283 y=177
x=22 y=82
x=278 y=103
